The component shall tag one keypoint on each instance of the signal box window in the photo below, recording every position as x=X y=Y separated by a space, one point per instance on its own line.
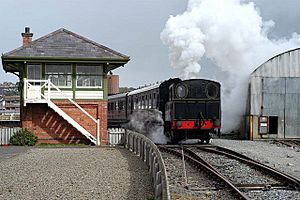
x=89 y=76
x=34 y=72
x=59 y=74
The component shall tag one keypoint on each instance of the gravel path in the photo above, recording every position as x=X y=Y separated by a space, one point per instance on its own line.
x=74 y=173
x=283 y=158
x=7 y=152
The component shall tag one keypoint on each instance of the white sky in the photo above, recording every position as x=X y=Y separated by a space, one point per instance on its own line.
x=131 y=27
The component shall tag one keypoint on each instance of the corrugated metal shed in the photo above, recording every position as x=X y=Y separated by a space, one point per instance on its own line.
x=275 y=92
x=283 y=65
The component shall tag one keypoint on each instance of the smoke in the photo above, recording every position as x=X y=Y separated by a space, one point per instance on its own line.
x=149 y=123
x=233 y=37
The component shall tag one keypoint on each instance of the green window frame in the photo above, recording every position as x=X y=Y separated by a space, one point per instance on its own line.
x=89 y=76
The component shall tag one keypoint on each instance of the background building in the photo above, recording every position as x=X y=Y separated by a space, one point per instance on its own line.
x=274 y=98
x=113 y=84
x=9 y=105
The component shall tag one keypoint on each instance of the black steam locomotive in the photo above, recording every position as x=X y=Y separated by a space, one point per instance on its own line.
x=189 y=109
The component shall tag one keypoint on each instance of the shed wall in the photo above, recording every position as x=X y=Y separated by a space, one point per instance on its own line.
x=275 y=91
x=277 y=97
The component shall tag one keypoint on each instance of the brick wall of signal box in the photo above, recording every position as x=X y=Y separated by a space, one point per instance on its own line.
x=50 y=127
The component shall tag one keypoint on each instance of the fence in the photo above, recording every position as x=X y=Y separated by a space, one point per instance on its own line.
x=149 y=153
x=6 y=133
x=116 y=136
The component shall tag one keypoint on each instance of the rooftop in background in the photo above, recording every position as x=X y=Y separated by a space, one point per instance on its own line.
x=8 y=88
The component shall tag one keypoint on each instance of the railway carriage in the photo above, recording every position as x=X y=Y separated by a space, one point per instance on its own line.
x=188 y=109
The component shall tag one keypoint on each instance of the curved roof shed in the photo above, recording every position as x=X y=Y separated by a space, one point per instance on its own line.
x=275 y=93
x=286 y=64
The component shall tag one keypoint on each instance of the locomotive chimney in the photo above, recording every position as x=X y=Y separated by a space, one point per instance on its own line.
x=27 y=36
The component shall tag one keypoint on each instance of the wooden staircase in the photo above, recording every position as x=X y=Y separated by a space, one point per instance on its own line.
x=33 y=93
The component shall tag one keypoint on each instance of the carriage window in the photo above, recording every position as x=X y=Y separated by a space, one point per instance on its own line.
x=136 y=103
x=146 y=101
x=117 y=106
x=154 y=101
x=120 y=105
x=143 y=102
x=150 y=101
x=140 y=103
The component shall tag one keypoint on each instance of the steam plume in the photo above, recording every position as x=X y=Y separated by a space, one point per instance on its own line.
x=233 y=36
x=149 y=123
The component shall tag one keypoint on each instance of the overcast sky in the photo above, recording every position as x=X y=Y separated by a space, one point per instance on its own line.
x=131 y=27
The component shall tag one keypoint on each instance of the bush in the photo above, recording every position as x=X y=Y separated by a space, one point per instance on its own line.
x=23 y=137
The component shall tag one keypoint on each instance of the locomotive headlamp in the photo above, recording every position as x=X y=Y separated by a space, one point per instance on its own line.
x=181 y=91
x=178 y=124
x=217 y=122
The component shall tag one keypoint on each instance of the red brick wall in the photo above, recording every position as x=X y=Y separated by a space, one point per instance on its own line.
x=52 y=128
x=27 y=41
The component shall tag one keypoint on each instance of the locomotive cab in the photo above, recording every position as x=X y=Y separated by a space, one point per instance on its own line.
x=193 y=110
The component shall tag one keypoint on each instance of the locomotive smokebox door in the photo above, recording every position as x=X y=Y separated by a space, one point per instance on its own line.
x=263 y=125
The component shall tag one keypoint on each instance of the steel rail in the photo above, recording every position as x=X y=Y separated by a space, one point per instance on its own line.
x=204 y=165
x=294 y=182
x=289 y=143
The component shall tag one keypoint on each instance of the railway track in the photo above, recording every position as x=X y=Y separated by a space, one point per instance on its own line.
x=192 y=179
x=227 y=175
x=289 y=143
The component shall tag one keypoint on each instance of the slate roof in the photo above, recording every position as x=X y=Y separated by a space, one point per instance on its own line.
x=65 y=44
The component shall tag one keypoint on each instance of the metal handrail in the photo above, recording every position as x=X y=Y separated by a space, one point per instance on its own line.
x=150 y=154
x=48 y=84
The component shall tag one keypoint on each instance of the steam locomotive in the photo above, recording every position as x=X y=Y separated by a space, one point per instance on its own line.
x=187 y=109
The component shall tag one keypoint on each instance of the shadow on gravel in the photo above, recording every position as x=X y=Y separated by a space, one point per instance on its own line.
x=140 y=180
x=7 y=152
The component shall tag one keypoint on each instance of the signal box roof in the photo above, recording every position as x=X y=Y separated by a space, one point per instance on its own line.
x=64 y=45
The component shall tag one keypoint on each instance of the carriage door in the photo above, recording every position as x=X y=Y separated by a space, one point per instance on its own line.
x=34 y=72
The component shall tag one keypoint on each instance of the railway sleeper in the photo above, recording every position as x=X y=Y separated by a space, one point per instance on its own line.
x=290 y=181
x=201 y=164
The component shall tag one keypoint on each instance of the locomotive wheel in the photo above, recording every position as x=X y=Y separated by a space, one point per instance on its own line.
x=206 y=141
x=206 y=138
x=174 y=139
x=167 y=130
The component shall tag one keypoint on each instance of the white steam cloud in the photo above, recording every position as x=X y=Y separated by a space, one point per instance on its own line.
x=149 y=123
x=233 y=36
